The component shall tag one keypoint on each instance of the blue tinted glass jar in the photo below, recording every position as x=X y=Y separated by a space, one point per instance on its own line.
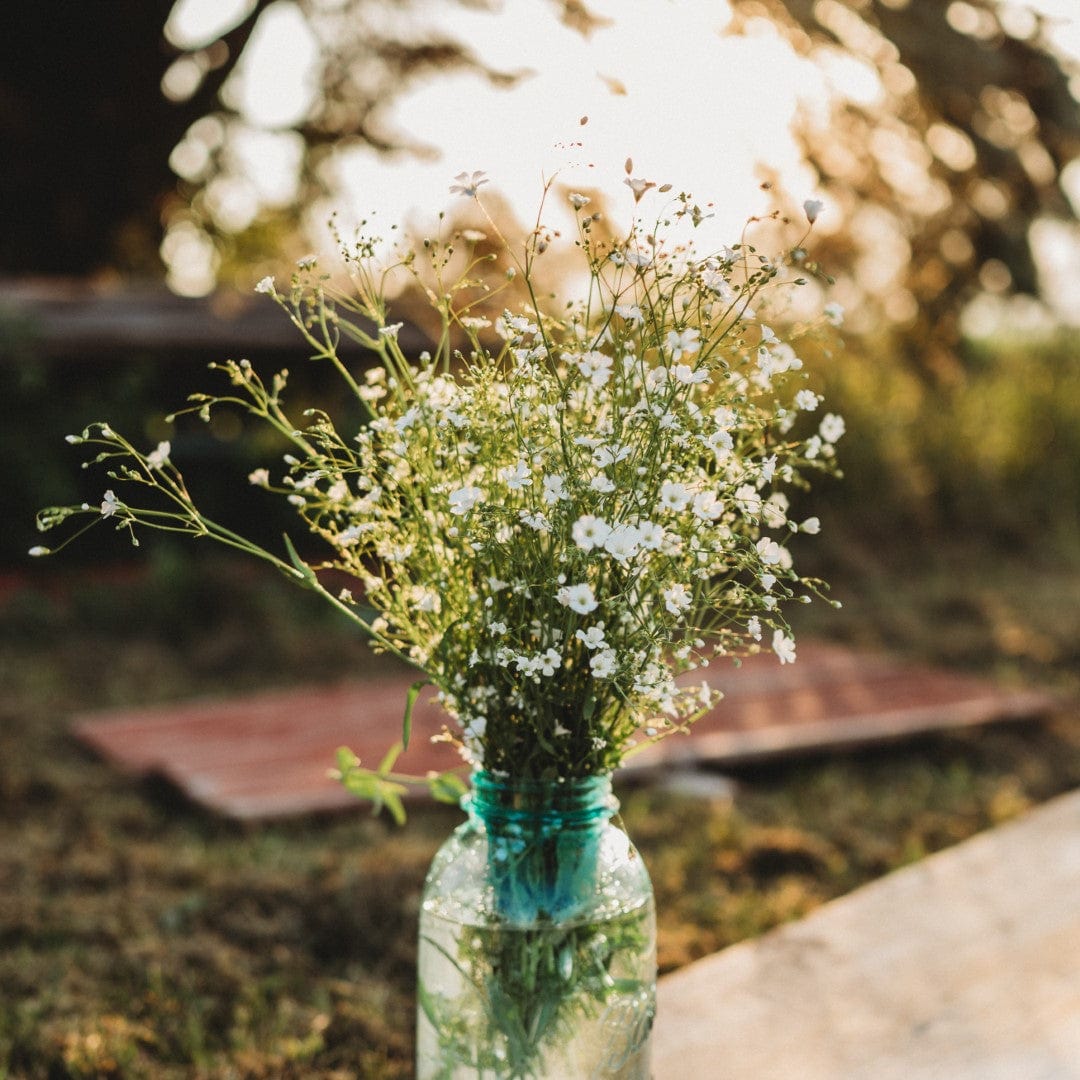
x=537 y=953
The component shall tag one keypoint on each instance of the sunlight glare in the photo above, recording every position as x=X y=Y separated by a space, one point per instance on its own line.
x=194 y=24
x=274 y=84
x=684 y=117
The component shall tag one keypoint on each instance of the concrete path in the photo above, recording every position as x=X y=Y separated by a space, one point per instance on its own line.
x=964 y=966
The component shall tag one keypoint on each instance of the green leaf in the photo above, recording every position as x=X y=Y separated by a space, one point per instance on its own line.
x=388 y=760
x=410 y=701
x=392 y=801
x=301 y=567
x=346 y=761
x=447 y=787
x=371 y=786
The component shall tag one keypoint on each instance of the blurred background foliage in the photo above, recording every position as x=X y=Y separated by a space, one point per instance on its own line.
x=947 y=180
x=964 y=144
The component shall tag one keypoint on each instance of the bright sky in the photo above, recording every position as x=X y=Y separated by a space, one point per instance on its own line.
x=691 y=114
x=700 y=110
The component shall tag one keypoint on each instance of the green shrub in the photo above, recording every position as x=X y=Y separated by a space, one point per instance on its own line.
x=996 y=454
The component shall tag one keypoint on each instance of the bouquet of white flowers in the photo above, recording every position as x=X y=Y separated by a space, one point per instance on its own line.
x=560 y=514
x=554 y=513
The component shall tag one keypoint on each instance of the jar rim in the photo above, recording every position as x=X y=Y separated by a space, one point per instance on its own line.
x=564 y=802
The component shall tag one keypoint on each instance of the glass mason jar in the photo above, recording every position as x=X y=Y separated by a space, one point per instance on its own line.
x=537 y=954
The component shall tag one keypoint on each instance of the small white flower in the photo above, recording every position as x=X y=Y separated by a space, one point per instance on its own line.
x=630 y=312
x=516 y=325
x=467 y=183
x=707 y=506
x=391 y=331
x=497 y=627
x=476 y=727
x=721 y=443
x=554 y=489
x=266 y=285
x=784 y=647
x=812 y=208
x=550 y=662
x=638 y=186
x=674 y=496
x=578 y=201
x=687 y=375
x=156 y=459
x=716 y=283
x=590 y=532
x=834 y=314
x=517 y=476
x=606 y=455
x=684 y=343
x=748 y=500
x=307 y=262
x=768 y=551
x=464 y=499
x=259 y=477
x=811 y=525
x=593 y=638
x=650 y=535
x=677 y=598
x=428 y=600
x=37 y=551
x=474 y=236
x=807 y=400
x=578 y=598
x=603 y=664
x=656 y=377
x=623 y=542
x=346 y=537
x=110 y=504
x=753 y=627
x=601 y=484
x=774 y=510
x=832 y=427
x=539 y=522
x=595 y=366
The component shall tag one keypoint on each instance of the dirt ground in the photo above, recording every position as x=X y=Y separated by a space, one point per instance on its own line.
x=140 y=937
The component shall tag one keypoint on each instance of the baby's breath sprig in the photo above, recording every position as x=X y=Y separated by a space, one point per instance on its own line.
x=560 y=516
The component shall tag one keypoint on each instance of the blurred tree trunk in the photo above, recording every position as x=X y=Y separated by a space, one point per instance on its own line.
x=86 y=134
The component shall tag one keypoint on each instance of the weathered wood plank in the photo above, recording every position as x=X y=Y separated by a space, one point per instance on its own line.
x=267 y=755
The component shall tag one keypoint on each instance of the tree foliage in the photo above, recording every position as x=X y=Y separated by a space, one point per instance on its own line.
x=962 y=150
x=938 y=174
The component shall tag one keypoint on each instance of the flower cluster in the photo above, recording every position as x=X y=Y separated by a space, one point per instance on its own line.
x=560 y=517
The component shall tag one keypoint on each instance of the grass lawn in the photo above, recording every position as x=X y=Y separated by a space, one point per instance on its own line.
x=140 y=937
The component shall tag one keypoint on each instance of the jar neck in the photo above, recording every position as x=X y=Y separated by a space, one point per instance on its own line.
x=501 y=802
